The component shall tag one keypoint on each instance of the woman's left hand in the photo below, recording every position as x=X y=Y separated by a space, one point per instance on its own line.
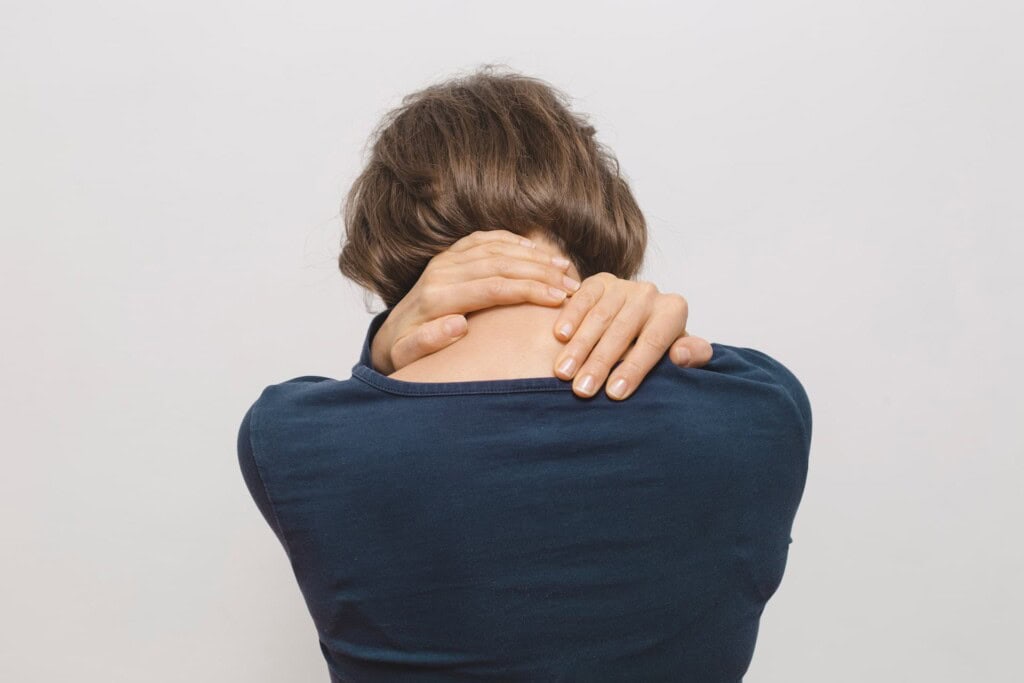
x=601 y=320
x=605 y=315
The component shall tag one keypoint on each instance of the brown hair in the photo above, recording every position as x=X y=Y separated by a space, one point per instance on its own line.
x=489 y=150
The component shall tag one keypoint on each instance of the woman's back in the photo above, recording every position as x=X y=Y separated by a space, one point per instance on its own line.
x=510 y=530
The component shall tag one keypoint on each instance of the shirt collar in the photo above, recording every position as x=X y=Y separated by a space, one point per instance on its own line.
x=366 y=356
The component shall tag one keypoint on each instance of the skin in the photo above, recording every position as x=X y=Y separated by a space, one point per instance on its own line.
x=507 y=324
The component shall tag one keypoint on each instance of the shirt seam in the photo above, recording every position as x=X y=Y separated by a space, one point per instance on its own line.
x=425 y=390
x=254 y=421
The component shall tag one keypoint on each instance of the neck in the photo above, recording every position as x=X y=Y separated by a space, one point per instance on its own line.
x=503 y=342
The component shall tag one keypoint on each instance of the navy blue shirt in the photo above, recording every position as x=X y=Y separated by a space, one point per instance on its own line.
x=510 y=530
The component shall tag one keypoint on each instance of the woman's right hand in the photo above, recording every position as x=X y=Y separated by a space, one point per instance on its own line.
x=484 y=269
x=611 y=319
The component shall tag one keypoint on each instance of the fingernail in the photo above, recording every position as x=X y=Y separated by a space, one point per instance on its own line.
x=527 y=243
x=586 y=384
x=454 y=326
x=565 y=330
x=560 y=261
x=618 y=388
x=567 y=366
x=682 y=356
x=570 y=284
x=556 y=292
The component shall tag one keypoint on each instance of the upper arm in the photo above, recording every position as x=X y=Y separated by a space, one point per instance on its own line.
x=793 y=388
x=250 y=470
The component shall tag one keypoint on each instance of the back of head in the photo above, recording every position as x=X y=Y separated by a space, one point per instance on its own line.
x=491 y=150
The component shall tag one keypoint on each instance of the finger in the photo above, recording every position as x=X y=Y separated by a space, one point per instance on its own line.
x=594 y=326
x=448 y=261
x=428 y=338
x=613 y=344
x=691 y=352
x=510 y=267
x=654 y=340
x=474 y=295
x=479 y=237
x=591 y=290
x=504 y=249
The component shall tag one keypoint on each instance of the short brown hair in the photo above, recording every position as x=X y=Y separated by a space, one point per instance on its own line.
x=491 y=150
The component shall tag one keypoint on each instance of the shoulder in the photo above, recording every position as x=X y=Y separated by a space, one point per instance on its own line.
x=253 y=460
x=275 y=397
x=754 y=366
x=297 y=384
x=289 y=412
x=272 y=393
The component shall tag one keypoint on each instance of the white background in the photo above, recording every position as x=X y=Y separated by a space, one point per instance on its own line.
x=837 y=184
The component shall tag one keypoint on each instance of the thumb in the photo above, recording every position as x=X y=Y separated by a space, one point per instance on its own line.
x=691 y=352
x=454 y=327
x=428 y=338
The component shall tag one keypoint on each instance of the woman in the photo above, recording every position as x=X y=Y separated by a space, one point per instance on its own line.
x=458 y=510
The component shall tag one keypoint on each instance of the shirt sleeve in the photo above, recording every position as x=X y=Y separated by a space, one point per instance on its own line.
x=251 y=472
x=798 y=395
x=794 y=389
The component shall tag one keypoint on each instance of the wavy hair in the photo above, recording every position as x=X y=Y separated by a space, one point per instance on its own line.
x=490 y=150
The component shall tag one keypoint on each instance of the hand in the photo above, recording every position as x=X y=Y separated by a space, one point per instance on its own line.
x=602 y=319
x=467 y=280
x=484 y=269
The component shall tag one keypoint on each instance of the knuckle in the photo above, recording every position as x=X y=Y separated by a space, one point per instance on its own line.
x=540 y=290
x=621 y=327
x=618 y=334
x=601 y=315
x=503 y=266
x=429 y=290
x=655 y=340
x=477 y=238
x=584 y=340
x=572 y=351
x=585 y=299
x=599 y=359
x=435 y=261
x=496 y=287
x=429 y=337
x=596 y=281
x=648 y=288
x=470 y=240
x=675 y=297
x=429 y=277
x=572 y=313
x=630 y=369
x=677 y=302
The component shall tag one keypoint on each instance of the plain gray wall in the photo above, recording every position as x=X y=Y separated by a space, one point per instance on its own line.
x=837 y=184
